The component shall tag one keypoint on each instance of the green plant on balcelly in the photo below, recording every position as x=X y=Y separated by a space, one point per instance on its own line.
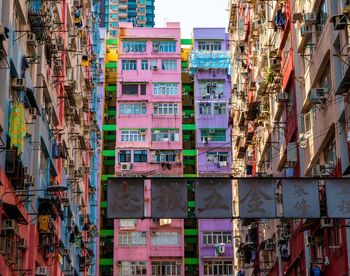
x=269 y=75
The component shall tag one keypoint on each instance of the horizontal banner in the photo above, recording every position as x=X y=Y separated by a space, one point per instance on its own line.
x=210 y=198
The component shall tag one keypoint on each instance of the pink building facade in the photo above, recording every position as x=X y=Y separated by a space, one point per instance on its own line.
x=149 y=142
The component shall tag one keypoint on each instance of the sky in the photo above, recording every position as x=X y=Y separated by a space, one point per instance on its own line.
x=192 y=13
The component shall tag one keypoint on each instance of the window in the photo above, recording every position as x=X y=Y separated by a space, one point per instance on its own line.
x=153 y=63
x=130 y=89
x=132 y=238
x=165 y=156
x=165 y=238
x=216 y=157
x=169 y=64
x=164 y=46
x=140 y=156
x=211 y=90
x=171 y=268
x=129 y=64
x=205 y=108
x=321 y=17
x=219 y=108
x=223 y=268
x=326 y=79
x=165 y=89
x=133 y=108
x=330 y=154
x=165 y=109
x=143 y=89
x=212 y=238
x=214 y=134
x=132 y=268
x=134 y=46
x=165 y=135
x=209 y=46
x=114 y=7
x=125 y=156
x=133 y=136
x=144 y=64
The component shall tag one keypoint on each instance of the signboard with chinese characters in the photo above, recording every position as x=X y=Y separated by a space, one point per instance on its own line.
x=257 y=198
x=213 y=198
x=125 y=198
x=338 y=198
x=300 y=198
x=169 y=198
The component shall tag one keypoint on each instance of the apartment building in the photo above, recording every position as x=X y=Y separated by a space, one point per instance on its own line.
x=140 y=12
x=210 y=66
x=49 y=137
x=289 y=85
x=148 y=141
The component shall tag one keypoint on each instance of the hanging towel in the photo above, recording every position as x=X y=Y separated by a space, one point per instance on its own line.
x=17 y=129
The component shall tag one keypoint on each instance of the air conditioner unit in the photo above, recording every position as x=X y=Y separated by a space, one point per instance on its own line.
x=254 y=224
x=309 y=19
x=60 y=43
x=222 y=164
x=18 y=84
x=178 y=262
x=28 y=180
x=65 y=252
x=58 y=65
x=154 y=68
x=31 y=40
x=71 y=163
x=102 y=243
x=32 y=113
x=126 y=166
x=92 y=190
x=282 y=97
x=65 y=197
x=211 y=131
x=317 y=95
x=9 y=225
x=323 y=170
x=153 y=233
x=22 y=244
x=305 y=30
x=326 y=223
x=155 y=105
x=41 y=270
x=142 y=131
x=143 y=105
x=54 y=49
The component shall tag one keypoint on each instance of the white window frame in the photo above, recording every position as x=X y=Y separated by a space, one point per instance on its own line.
x=126 y=268
x=220 y=108
x=213 y=238
x=169 y=64
x=165 y=239
x=127 y=238
x=216 y=157
x=160 y=156
x=212 y=268
x=132 y=109
x=205 y=108
x=134 y=46
x=165 y=135
x=164 y=88
x=132 y=135
x=163 y=109
x=167 y=268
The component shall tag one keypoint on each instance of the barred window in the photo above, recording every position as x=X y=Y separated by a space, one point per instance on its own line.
x=164 y=46
x=165 y=135
x=219 y=108
x=205 y=108
x=133 y=108
x=213 y=134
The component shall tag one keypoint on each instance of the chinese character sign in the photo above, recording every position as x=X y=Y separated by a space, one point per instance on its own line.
x=214 y=198
x=169 y=198
x=300 y=198
x=338 y=198
x=125 y=198
x=257 y=198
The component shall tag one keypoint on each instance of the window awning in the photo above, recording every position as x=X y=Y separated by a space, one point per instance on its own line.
x=13 y=212
x=31 y=99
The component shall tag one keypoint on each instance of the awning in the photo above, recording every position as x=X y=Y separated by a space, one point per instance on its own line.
x=13 y=212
